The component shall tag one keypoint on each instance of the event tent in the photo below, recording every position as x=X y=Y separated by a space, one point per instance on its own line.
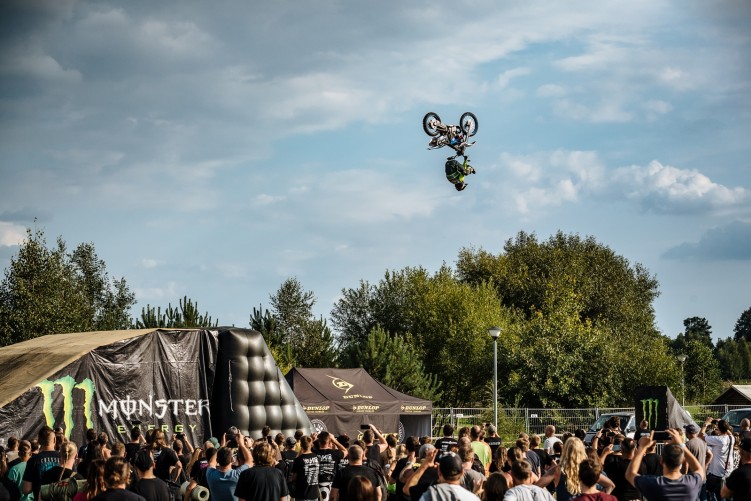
x=341 y=400
x=199 y=382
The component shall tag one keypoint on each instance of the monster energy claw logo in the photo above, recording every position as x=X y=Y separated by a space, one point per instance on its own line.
x=649 y=407
x=67 y=384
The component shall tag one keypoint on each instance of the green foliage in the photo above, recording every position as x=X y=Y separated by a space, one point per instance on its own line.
x=446 y=322
x=695 y=329
x=52 y=291
x=185 y=316
x=395 y=361
x=742 y=328
x=702 y=372
x=294 y=336
x=734 y=358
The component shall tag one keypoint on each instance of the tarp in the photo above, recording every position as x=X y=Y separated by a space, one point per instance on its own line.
x=162 y=378
x=658 y=406
x=341 y=400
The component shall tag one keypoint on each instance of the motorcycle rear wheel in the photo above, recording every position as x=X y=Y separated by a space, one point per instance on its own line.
x=427 y=127
x=468 y=123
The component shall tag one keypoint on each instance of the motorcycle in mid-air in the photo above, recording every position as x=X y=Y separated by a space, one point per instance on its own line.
x=454 y=136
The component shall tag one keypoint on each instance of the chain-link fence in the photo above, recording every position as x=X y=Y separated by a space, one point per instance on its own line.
x=511 y=421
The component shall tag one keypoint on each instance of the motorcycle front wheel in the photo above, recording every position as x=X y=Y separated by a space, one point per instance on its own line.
x=468 y=123
x=427 y=124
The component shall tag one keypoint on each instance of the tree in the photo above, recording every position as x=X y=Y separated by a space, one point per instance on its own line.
x=395 y=361
x=742 y=328
x=572 y=299
x=702 y=372
x=185 y=316
x=695 y=329
x=294 y=336
x=52 y=291
x=734 y=358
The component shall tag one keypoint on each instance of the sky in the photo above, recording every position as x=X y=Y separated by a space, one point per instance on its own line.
x=215 y=149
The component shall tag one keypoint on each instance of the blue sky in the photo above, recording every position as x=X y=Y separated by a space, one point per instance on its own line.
x=213 y=149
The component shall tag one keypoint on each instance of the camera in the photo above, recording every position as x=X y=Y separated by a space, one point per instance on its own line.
x=135 y=422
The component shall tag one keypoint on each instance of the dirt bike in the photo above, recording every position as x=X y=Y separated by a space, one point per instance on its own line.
x=453 y=136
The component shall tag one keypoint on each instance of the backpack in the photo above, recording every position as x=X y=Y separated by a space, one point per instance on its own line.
x=62 y=490
x=380 y=475
x=286 y=468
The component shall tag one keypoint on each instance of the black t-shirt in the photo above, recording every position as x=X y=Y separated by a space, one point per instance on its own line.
x=118 y=495
x=14 y=463
x=261 y=483
x=534 y=460
x=493 y=442
x=429 y=477
x=131 y=449
x=446 y=443
x=396 y=472
x=327 y=461
x=615 y=468
x=374 y=455
x=342 y=478
x=54 y=475
x=166 y=460
x=153 y=489
x=651 y=463
x=740 y=483
x=37 y=466
x=9 y=491
x=305 y=467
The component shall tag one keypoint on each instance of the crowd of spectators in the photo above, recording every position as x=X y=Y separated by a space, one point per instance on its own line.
x=693 y=464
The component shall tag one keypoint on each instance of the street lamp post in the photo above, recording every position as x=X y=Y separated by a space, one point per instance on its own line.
x=494 y=333
x=682 y=359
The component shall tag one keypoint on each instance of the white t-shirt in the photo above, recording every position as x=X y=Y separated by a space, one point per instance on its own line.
x=527 y=492
x=549 y=442
x=720 y=446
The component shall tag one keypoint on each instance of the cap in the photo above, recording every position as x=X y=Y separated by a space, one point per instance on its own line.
x=745 y=444
x=290 y=442
x=214 y=441
x=450 y=464
x=691 y=428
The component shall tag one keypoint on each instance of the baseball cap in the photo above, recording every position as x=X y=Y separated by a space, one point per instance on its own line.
x=450 y=464
x=214 y=441
x=745 y=444
x=290 y=442
x=691 y=428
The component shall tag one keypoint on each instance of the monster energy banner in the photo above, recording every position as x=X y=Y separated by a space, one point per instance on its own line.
x=155 y=379
x=657 y=406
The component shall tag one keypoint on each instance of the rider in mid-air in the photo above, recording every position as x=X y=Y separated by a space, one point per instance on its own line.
x=456 y=138
x=455 y=172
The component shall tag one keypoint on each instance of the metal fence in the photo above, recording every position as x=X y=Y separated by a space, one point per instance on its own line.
x=511 y=421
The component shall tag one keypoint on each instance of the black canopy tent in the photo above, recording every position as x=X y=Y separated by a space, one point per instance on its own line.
x=341 y=400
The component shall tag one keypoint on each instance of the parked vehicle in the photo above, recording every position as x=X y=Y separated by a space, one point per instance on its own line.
x=735 y=417
x=628 y=424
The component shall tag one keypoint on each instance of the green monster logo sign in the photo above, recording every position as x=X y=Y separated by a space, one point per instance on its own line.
x=67 y=384
x=649 y=409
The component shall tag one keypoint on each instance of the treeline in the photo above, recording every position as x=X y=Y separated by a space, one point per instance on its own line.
x=577 y=322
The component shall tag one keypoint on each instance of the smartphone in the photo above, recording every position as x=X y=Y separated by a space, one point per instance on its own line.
x=616 y=447
x=659 y=436
x=364 y=426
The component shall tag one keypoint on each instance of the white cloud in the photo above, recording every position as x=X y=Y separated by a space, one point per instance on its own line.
x=550 y=90
x=730 y=242
x=149 y=263
x=656 y=108
x=265 y=199
x=504 y=79
x=11 y=234
x=610 y=111
x=663 y=188
x=550 y=179
x=146 y=294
